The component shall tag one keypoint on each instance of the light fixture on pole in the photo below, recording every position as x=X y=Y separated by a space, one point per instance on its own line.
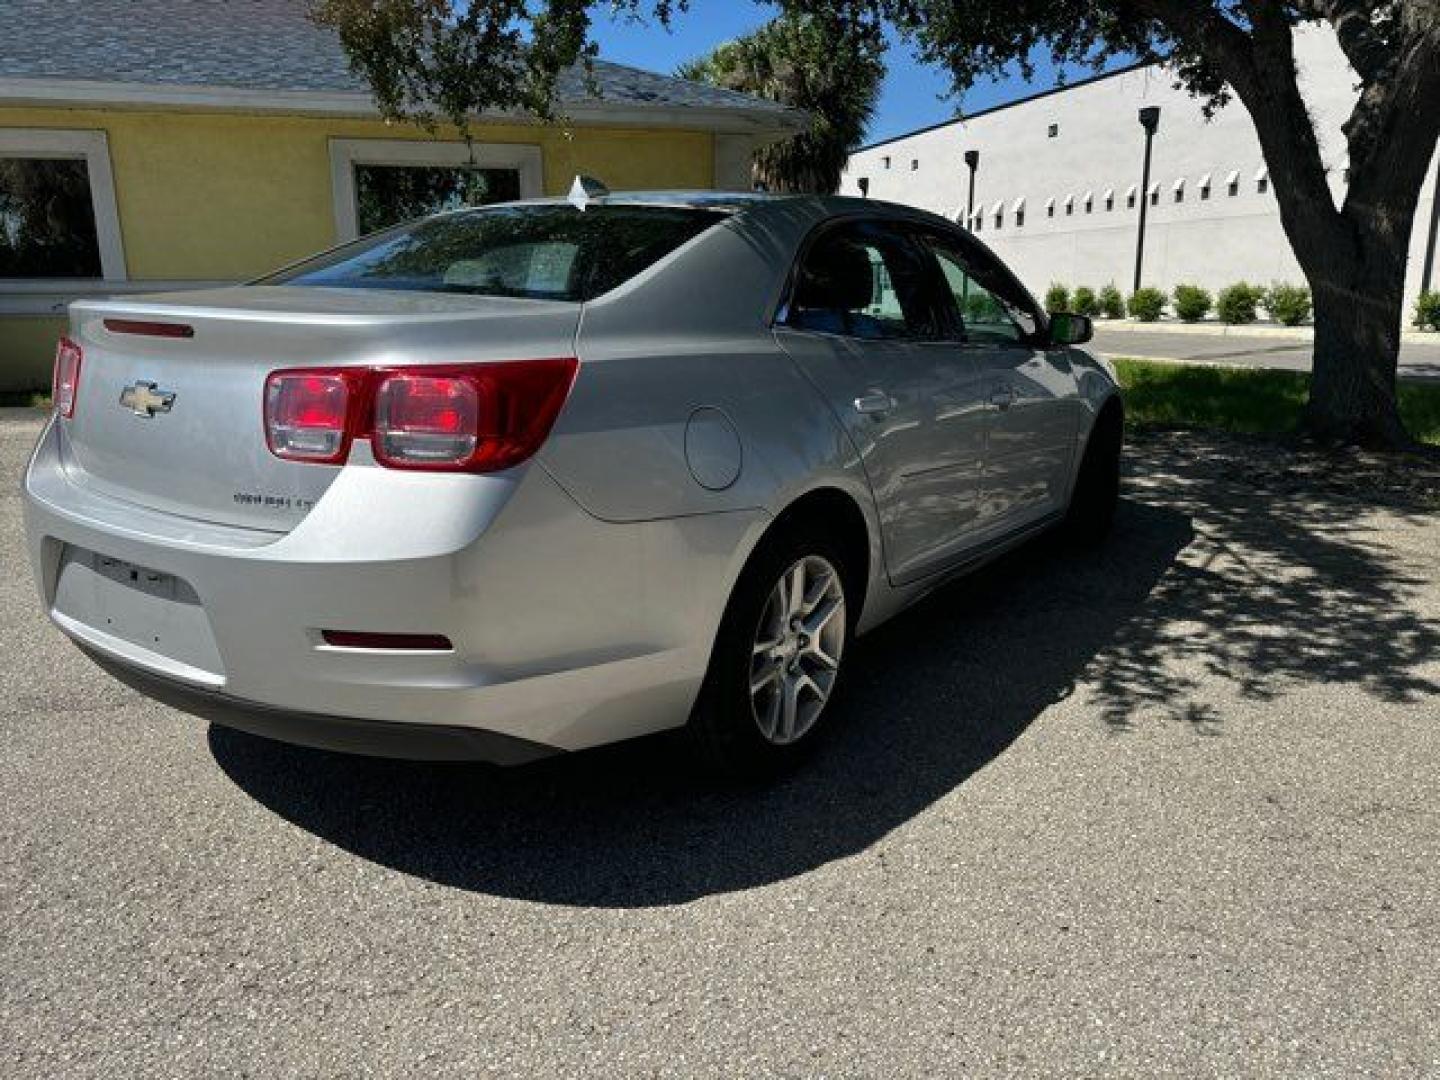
x=972 y=162
x=1150 y=121
x=1428 y=277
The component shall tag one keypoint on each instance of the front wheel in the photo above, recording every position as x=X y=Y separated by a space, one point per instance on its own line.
x=777 y=658
x=1097 y=484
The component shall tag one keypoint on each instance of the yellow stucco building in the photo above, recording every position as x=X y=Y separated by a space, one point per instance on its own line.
x=173 y=144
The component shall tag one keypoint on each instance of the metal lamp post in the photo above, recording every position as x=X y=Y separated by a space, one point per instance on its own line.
x=972 y=162
x=1150 y=121
x=1428 y=277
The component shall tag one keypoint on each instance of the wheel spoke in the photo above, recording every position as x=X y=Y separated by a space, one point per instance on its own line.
x=797 y=590
x=767 y=675
x=820 y=617
x=791 y=695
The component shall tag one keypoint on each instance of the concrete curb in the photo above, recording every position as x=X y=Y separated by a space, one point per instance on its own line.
x=1233 y=365
x=1252 y=330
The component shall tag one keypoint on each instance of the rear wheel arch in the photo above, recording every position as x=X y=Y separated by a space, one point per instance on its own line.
x=837 y=513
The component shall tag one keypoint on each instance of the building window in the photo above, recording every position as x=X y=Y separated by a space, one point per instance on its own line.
x=885 y=162
x=1089 y=202
x=914 y=164
x=1109 y=201
x=1054 y=131
x=1130 y=199
x=58 y=218
x=381 y=182
x=387 y=195
x=1262 y=181
x=1232 y=184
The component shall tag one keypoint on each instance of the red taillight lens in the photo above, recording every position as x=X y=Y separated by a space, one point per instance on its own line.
x=426 y=420
x=477 y=419
x=309 y=415
x=66 y=382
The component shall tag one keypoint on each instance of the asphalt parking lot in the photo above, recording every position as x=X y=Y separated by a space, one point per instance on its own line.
x=1166 y=809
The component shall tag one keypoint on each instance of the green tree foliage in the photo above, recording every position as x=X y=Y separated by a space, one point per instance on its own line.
x=454 y=58
x=1147 y=305
x=831 y=70
x=1192 y=303
x=1427 y=310
x=1237 y=304
x=1289 y=305
x=1112 y=302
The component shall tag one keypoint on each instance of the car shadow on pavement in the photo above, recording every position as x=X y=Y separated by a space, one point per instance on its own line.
x=932 y=697
x=1232 y=564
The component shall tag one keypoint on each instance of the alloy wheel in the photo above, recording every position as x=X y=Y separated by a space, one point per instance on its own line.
x=797 y=650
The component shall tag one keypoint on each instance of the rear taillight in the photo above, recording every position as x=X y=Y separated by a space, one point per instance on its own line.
x=310 y=415
x=66 y=382
x=475 y=418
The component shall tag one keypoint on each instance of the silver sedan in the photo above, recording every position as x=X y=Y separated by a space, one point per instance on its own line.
x=537 y=477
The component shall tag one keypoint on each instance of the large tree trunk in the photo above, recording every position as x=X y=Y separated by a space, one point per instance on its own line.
x=1353 y=255
x=1357 y=350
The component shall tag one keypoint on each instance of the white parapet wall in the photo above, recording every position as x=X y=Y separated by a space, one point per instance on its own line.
x=1057 y=172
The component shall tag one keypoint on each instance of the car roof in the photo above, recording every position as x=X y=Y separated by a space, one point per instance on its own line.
x=747 y=202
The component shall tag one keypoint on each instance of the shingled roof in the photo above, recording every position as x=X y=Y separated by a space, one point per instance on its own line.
x=258 y=46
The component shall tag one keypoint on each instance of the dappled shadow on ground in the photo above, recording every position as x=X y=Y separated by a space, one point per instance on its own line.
x=1294 y=575
x=1215 y=573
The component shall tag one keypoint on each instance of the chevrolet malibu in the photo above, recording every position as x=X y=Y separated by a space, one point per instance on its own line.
x=536 y=477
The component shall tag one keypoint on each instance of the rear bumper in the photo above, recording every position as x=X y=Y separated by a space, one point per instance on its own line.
x=377 y=738
x=568 y=632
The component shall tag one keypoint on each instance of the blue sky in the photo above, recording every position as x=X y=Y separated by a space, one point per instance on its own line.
x=914 y=95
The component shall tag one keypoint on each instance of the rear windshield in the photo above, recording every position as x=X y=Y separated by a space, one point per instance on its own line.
x=540 y=252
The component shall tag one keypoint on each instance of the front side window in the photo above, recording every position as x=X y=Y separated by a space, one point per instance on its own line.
x=991 y=307
x=47 y=219
x=866 y=282
x=538 y=252
x=387 y=195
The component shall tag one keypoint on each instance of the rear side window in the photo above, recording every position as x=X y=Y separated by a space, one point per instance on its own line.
x=538 y=252
x=865 y=281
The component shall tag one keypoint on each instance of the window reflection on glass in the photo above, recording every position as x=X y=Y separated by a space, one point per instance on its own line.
x=47 y=220
x=387 y=195
x=987 y=315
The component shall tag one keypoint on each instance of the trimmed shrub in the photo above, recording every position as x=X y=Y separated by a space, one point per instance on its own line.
x=1427 y=310
x=1057 y=298
x=1192 y=303
x=1112 y=303
x=1237 y=304
x=1147 y=305
x=981 y=307
x=1288 y=305
x=1085 y=302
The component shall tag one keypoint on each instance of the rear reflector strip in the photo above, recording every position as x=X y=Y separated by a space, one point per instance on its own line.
x=351 y=639
x=149 y=329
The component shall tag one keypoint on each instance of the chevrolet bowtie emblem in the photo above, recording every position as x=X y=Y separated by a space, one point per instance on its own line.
x=145 y=399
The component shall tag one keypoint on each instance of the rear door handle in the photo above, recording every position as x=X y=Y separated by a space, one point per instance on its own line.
x=1003 y=399
x=875 y=403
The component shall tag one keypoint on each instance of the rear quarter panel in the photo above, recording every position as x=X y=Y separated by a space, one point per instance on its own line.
x=692 y=336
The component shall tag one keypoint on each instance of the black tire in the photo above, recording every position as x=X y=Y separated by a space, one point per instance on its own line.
x=1097 y=484
x=724 y=732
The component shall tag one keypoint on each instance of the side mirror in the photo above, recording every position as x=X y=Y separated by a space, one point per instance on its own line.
x=1069 y=329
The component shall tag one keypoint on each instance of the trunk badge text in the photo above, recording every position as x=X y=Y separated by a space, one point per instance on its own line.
x=145 y=399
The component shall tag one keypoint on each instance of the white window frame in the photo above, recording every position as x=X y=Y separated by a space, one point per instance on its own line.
x=93 y=148
x=345 y=154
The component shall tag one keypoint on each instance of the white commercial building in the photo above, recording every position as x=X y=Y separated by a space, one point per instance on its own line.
x=1058 y=180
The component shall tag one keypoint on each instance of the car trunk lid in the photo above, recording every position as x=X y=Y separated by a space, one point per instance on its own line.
x=169 y=413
